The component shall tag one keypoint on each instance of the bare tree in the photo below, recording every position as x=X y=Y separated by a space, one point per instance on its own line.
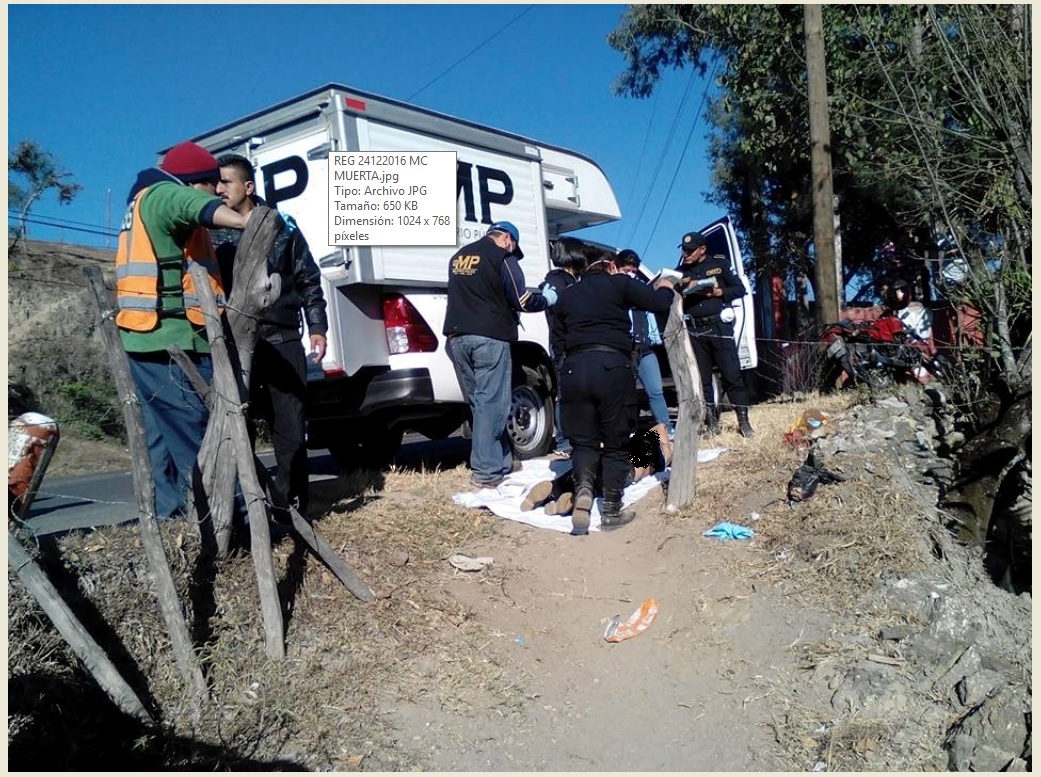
x=37 y=172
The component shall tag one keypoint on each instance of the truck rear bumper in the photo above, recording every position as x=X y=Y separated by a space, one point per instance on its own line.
x=368 y=393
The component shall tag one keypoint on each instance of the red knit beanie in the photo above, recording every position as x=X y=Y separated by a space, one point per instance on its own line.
x=191 y=163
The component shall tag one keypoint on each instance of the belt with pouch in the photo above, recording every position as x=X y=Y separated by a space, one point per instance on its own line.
x=702 y=320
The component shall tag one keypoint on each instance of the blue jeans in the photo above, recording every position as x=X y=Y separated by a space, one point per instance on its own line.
x=174 y=419
x=484 y=369
x=650 y=377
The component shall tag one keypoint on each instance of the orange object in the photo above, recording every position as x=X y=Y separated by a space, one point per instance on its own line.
x=31 y=439
x=638 y=622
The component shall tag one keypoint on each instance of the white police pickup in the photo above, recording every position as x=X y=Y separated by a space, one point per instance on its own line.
x=386 y=370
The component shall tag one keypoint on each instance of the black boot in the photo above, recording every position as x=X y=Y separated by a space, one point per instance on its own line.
x=711 y=421
x=613 y=515
x=743 y=425
x=580 y=511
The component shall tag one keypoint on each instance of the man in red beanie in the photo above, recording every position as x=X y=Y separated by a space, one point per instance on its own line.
x=164 y=230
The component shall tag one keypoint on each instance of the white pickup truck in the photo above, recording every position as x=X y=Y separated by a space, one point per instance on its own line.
x=386 y=370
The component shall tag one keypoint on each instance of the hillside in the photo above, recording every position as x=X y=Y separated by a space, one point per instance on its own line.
x=55 y=362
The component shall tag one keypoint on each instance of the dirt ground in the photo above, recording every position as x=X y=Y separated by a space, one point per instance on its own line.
x=765 y=654
x=686 y=695
x=851 y=633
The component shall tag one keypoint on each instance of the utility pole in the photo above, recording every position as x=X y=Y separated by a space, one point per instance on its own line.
x=827 y=291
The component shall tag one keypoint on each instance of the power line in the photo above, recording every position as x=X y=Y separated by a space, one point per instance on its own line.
x=16 y=213
x=661 y=158
x=56 y=225
x=472 y=52
x=686 y=144
x=643 y=150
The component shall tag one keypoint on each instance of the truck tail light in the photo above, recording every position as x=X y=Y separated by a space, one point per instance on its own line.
x=407 y=332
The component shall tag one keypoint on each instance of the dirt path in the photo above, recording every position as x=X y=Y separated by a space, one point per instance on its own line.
x=852 y=633
x=687 y=694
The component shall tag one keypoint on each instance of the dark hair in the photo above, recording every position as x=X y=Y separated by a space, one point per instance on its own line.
x=570 y=253
x=240 y=163
x=627 y=257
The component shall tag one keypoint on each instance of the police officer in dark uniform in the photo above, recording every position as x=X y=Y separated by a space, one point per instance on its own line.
x=569 y=256
x=599 y=386
x=709 y=286
x=486 y=294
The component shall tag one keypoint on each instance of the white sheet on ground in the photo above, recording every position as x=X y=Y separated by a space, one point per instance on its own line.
x=505 y=501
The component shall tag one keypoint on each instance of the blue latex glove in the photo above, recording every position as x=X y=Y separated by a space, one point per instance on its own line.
x=729 y=531
x=549 y=293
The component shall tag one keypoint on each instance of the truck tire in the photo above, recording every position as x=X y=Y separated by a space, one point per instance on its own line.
x=530 y=424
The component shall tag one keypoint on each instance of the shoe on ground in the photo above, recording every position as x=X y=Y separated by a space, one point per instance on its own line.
x=562 y=505
x=538 y=495
x=493 y=483
x=580 y=511
x=614 y=517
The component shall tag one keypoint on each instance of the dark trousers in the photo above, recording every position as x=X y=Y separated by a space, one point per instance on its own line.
x=278 y=388
x=713 y=345
x=598 y=395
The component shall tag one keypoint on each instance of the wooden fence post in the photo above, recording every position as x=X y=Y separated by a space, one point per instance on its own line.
x=690 y=409
x=256 y=293
x=144 y=489
x=304 y=528
x=83 y=645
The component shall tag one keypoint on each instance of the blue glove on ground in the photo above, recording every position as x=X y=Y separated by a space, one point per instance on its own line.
x=729 y=531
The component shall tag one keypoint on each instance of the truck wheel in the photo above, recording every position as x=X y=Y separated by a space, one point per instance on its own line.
x=530 y=424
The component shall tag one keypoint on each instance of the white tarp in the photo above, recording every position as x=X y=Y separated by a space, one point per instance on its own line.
x=505 y=500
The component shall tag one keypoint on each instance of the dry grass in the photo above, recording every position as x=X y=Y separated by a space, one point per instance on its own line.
x=328 y=705
x=347 y=663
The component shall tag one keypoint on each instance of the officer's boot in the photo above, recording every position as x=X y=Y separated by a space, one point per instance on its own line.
x=743 y=425
x=613 y=516
x=582 y=505
x=711 y=421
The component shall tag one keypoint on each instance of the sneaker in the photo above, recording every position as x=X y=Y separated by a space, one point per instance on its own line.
x=561 y=506
x=538 y=495
x=493 y=483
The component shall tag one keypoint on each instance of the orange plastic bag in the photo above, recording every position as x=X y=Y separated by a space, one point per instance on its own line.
x=638 y=622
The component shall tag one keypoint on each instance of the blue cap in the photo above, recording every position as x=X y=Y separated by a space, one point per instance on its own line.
x=512 y=231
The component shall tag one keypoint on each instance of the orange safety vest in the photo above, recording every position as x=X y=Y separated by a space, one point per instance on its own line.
x=137 y=275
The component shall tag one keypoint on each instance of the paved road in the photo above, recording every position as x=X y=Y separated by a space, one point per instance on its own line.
x=107 y=499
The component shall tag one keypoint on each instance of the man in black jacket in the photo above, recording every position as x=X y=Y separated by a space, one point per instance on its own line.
x=599 y=383
x=710 y=285
x=486 y=294
x=279 y=372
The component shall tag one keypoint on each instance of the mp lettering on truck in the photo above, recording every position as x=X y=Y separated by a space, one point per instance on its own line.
x=465 y=186
x=274 y=195
x=494 y=187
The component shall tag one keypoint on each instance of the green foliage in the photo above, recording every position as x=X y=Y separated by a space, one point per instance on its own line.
x=32 y=172
x=90 y=408
x=929 y=112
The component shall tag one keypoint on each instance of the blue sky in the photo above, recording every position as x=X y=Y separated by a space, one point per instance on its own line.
x=104 y=88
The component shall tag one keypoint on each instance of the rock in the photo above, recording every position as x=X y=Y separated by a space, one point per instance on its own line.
x=997 y=730
x=961 y=750
x=894 y=633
